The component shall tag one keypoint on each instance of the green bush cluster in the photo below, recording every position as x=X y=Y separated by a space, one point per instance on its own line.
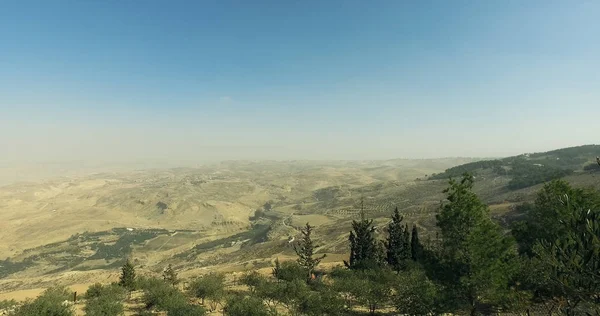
x=104 y=300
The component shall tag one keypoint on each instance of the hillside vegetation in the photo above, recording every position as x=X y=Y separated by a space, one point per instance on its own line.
x=530 y=169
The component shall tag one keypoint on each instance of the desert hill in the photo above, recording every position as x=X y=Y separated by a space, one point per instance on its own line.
x=237 y=215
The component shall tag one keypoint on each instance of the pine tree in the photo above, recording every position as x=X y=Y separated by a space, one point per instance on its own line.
x=397 y=243
x=573 y=259
x=305 y=251
x=363 y=245
x=127 y=279
x=416 y=248
x=477 y=260
x=170 y=276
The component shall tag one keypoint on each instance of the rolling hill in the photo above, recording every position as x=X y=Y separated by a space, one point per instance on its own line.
x=238 y=215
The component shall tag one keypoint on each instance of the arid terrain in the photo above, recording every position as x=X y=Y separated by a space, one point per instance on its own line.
x=231 y=217
x=74 y=229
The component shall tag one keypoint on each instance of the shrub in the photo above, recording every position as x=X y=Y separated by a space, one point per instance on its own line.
x=415 y=294
x=208 y=286
x=247 y=306
x=253 y=280
x=103 y=306
x=5 y=304
x=104 y=300
x=370 y=288
x=324 y=302
x=50 y=303
x=158 y=294
x=187 y=310
x=94 y=290
x=289 y=271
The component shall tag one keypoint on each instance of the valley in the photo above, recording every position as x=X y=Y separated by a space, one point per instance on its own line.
x=232 y=216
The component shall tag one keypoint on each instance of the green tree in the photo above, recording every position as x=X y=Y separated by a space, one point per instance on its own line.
x=406 y=243
x=186 y=310
x=305 y=251
x=371 y=288
x=544 y=220
x=289 y=271
x=127 y=279
x=573 y=259
x=364 y=251
x=253 y=280
x=415 y=294
x=170 y=276
x=161 y=295
x=477 y=260
x=94 y=290
x=209 y=286
x=416 y=248
x=247 y=306
x=292 y=294
x=397 y=246
x=269 y=292
x=104 y=300
x=276 y=271
x=323 y=302
x=49 y=303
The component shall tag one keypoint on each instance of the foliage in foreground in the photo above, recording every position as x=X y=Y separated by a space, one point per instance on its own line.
x=104 y=300
x=49 y=303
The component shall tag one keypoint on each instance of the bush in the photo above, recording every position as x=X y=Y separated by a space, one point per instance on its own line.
x=247 y=306
x=50 y=303
x=292 y=294
x=324 y=302
x=8 y=304
x=158 y=294
x=103 y=306
x=104 y=300
x=253 y=280
x=208 y=286
x=187 y=310
x=370 y=288
x=94 y=290
x=289 y=271
x=415 y=294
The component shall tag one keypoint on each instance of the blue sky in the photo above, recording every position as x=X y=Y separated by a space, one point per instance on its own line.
x=204 y=80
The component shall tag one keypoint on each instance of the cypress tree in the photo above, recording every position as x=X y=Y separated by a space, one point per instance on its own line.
x=363 y=245
x=415 y=245
x=276 y=272
x=406 y=250
x=397 y=242
x=305 y=251
x=127 y=279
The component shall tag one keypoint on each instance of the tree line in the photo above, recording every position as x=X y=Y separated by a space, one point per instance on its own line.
x=549 y=261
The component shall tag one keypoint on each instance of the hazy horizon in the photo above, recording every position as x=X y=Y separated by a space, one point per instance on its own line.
x=183 y=82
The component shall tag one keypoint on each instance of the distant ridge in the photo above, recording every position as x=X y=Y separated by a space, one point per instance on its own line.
x=529 y=169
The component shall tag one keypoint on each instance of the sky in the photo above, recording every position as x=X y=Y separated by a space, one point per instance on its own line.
x=110 y=81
